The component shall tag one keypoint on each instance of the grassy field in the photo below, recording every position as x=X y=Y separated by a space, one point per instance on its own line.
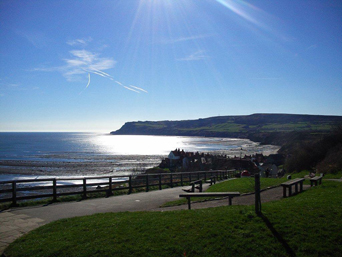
x=307 y=224
x=243 y=186
x=333 y=176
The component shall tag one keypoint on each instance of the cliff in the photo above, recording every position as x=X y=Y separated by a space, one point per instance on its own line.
x=264 y=128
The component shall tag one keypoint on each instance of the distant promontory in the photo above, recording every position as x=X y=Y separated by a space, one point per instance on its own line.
x=264 y=128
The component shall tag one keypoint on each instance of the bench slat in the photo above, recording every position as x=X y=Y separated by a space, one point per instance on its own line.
x=210 y=194
x=229 y=194
x=292 y=182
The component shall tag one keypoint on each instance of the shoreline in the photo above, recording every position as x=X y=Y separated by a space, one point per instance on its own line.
x=91 y=163
x=115 y=165
x=124 y=166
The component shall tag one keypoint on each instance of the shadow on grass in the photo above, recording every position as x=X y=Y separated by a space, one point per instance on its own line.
x=277 y=235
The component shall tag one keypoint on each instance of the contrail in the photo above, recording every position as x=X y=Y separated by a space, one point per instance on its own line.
x=143 y=90
x=88 y=80
x=102 y=72
x=87 y=84
x=136 y=91
x=132 y=89
x=95 y=72
x=105 y=75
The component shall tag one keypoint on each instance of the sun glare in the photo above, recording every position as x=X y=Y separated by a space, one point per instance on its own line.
x=138 y=145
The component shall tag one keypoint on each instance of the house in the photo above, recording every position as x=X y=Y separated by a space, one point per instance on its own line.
x=268 y=170
x=174 y=158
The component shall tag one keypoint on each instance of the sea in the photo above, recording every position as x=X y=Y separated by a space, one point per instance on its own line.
x=119 y=154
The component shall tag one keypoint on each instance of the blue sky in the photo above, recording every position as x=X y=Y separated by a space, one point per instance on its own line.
x=94 y=65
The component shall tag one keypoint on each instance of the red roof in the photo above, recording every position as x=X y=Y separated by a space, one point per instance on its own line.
x=245 y=173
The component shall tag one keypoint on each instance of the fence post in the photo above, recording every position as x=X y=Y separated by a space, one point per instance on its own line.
x=109 y=193
x=84 y=188
x=146 y=183
x=181 y=179
x=54 y=183
x=189 y=177
x=257 y=194
x=130 y=185
x=171 y=180
x=160 y=182
x=14 y=193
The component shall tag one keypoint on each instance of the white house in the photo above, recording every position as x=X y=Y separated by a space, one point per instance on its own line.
x=173 y=155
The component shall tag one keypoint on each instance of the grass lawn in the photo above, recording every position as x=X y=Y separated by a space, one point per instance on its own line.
x=337 y=175
x=244 y=185
x=308 y=224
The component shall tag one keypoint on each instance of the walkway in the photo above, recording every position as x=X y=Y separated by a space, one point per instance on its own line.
x=18 y=221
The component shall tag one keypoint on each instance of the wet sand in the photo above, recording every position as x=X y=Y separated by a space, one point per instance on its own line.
x=117 y=166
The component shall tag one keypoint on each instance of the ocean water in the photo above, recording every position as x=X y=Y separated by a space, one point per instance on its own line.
x=121 y=153
x=94 y=146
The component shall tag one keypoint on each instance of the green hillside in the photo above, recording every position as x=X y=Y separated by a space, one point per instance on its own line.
x=264 y=128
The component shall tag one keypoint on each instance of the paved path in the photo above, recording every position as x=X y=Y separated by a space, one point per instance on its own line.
x=18 y=221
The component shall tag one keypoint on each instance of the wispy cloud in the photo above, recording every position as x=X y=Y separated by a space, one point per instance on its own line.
x=36 y=38
x=312 y=47
x=182 y=39
x=17 y=87
x=266 y=78
x=196 y=56
x=83 y=63
x=13 y=85
x=79 y=42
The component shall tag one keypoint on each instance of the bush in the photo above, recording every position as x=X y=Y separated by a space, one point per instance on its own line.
x=323 y=155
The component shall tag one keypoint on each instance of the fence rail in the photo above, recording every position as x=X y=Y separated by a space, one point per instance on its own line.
x=17 y=190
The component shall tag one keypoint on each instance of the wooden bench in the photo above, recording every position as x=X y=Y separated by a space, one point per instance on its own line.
x=289 y=185
x=212 y=180
x=316 y=180
x=214 y=194
x=199 y=187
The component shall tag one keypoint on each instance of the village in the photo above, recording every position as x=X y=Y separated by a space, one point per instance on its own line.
x=267 y=166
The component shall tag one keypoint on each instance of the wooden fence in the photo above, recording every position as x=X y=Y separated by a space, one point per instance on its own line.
x=17 y=190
